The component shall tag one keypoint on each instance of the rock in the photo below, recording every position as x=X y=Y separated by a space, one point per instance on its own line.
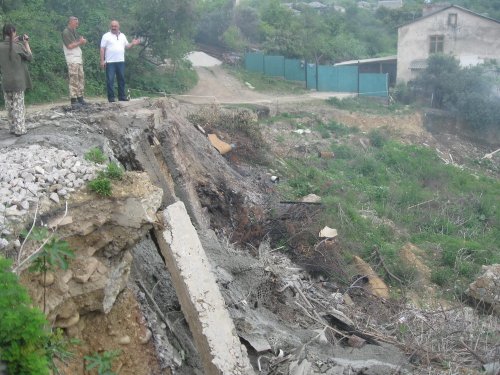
x=356 y=341
x=47 y=280
x=144 y=339
x=486 y=288
x=311 y=198
x=3 y=243
x=375 y=284
x=328 y=232
x=69 y=322
x=84 y=268
x=124 y=340
x=54 y=197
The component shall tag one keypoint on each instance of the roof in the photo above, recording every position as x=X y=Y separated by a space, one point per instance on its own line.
x=367 y=61
x=446 y=8
x=418 y=64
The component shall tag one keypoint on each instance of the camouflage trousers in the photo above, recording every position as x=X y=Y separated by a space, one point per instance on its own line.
x=76 y=80
x=14 y=104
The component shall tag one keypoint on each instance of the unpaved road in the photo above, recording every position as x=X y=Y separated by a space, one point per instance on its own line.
x=215 y=85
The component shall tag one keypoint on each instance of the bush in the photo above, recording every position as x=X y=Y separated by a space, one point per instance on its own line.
x=114 y=171
x=23 y=337
x=101 y=185
x=95 y=155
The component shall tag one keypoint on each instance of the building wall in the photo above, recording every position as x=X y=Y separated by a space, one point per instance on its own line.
x=473 y=40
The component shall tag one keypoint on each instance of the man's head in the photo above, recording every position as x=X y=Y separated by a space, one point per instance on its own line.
x=115 y=27
x=73 y=22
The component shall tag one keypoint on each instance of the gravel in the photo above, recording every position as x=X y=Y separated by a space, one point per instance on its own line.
x=32 y=173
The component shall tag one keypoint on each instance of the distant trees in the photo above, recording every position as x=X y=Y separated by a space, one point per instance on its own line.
x=468 y=92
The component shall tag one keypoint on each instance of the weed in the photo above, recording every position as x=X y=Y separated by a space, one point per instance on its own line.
x=101 y=186
x=95 y=155
x=114 y=171
x=377 y=138
x=102 y=363
x=58 y=347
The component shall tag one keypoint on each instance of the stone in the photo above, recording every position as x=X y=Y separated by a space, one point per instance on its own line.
x=486 y=288
x=124 y=340
x=375 y=284
x=47 y=280
x=3 y=243
x=54 y=197
x=84 y=268
x=144 y=339
x=69 y=322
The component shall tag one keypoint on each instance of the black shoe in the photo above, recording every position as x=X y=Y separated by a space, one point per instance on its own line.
x=75 y=104
x=81 y=101
x=112 y=100
x=124 y=99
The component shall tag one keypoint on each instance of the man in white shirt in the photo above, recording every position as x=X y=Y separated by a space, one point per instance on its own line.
x=113 y=45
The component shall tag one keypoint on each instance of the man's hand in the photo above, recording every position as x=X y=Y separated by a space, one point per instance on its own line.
x=82 y=41
x=103 y=64
x=135 y=42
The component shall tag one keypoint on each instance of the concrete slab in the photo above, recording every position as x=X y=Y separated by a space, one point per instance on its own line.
x=201 y=301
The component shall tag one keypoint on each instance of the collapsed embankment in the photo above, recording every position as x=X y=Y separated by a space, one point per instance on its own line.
x=118 y=292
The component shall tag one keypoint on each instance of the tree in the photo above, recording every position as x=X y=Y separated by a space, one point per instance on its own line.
x=467 y=92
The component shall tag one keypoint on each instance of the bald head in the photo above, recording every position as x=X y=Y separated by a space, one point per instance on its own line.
x=115 y=27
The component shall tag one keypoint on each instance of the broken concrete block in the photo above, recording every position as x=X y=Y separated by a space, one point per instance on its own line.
x=201 y=301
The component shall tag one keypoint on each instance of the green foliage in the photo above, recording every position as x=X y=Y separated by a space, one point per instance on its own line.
x=369 y=105
x=267 y=84
x=233 y=39
x=101 y=186
x=23 y=338
x=54 y=254
x=440 y=208
x=114 y=171
x=468 y=92
x=378 y=138
x=102 y=363
x=95 y=155
x=58 y=347
x=165 y=28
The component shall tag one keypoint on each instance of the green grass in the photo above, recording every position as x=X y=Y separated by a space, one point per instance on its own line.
x=267 y=84
x=446 y=211
x=370 y=105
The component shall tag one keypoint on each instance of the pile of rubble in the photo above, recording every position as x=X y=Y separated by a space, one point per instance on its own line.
x=37 y=175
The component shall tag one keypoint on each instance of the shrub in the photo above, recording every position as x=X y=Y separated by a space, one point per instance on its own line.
x=95 y=155
x=114 y=171
x=23 y=338
x=101 y=185
x=378 y=138
x=102 y=363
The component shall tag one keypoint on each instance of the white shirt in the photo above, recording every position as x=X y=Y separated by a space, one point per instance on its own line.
x=114 y=47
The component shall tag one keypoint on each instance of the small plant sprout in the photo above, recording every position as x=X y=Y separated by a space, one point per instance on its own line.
x=102 y=363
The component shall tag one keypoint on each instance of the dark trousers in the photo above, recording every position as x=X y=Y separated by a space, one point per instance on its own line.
x=118 y=69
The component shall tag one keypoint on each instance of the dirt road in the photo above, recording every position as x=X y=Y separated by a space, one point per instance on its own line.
x=215 y=85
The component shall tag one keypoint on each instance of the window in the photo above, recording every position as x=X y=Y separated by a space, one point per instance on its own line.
x=452 y=19
x=436 y=43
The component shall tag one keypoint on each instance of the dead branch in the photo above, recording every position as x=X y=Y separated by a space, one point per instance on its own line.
x=18 y=268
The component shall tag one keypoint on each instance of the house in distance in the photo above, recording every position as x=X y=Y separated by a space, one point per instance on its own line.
x=450 y=29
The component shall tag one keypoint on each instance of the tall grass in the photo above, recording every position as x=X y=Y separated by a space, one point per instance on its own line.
x=451 y=214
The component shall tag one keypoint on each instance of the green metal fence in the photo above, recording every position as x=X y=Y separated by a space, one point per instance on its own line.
x=321 y=77
x=373 y=84
x=295 y=70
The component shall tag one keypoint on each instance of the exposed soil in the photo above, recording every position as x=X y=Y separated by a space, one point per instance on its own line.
x=248 y=224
